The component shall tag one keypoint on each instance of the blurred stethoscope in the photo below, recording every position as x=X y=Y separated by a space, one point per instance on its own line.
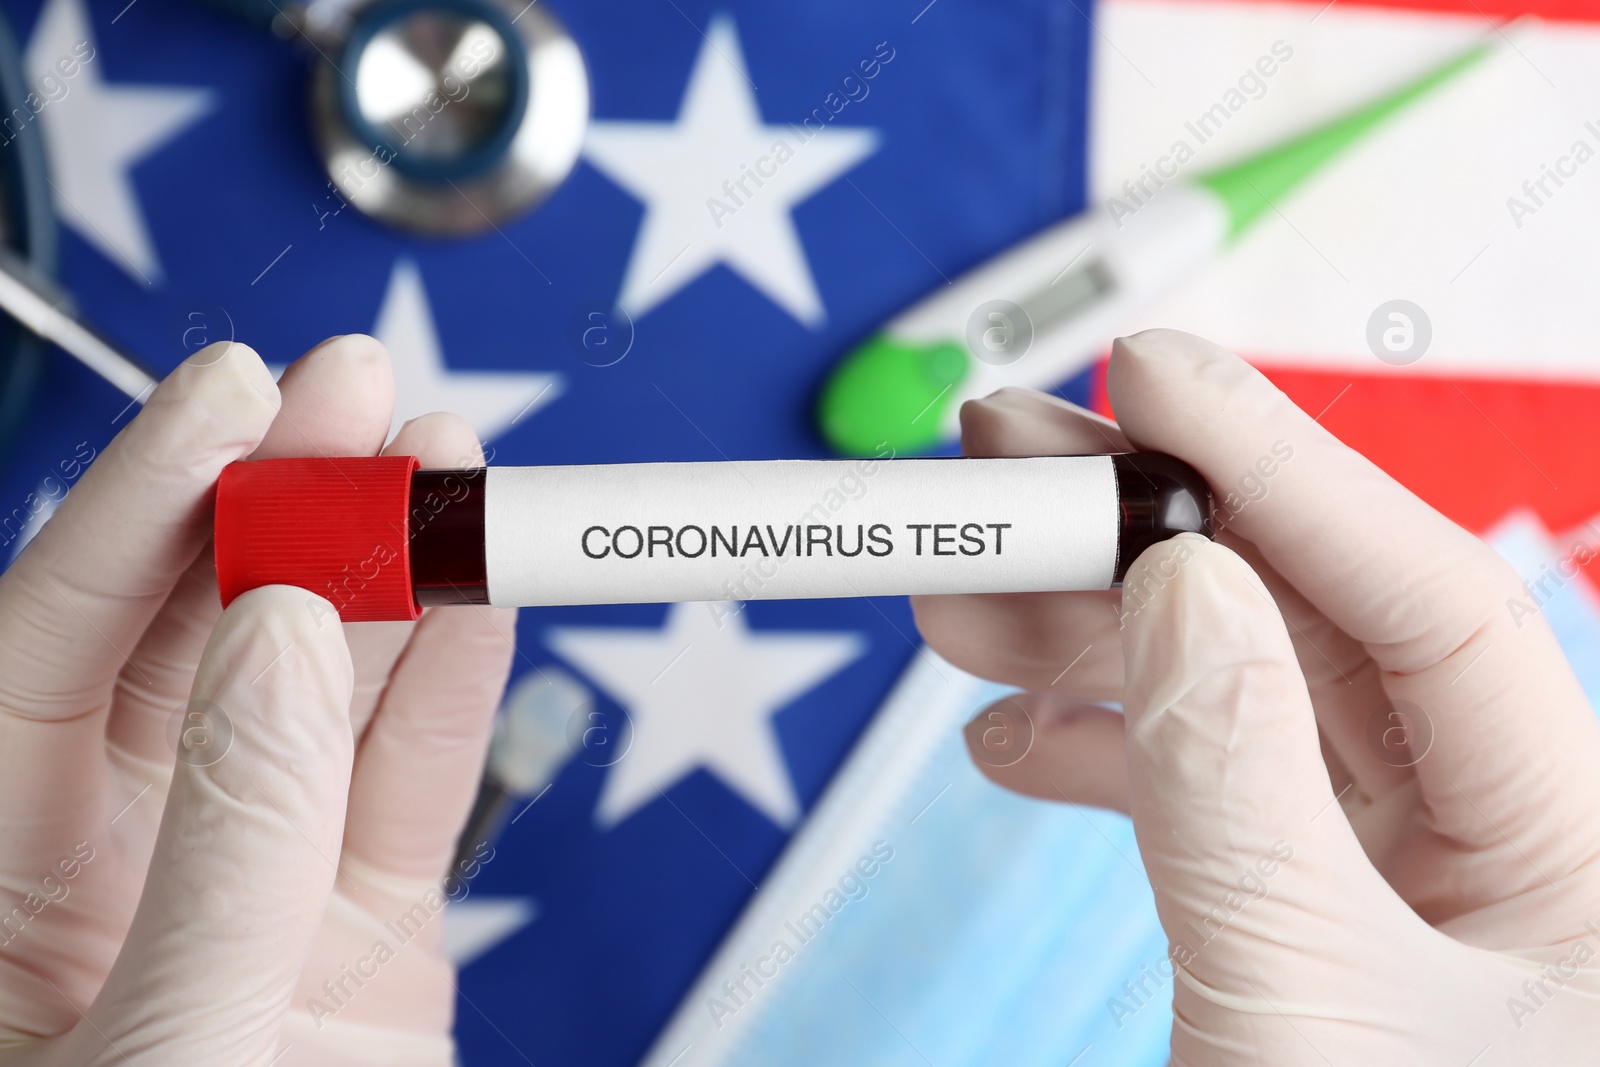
x=440 y=117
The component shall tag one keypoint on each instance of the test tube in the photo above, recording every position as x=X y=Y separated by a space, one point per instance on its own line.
x=379 y=538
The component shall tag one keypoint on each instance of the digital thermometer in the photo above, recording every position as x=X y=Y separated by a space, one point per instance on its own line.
x=1043 y=310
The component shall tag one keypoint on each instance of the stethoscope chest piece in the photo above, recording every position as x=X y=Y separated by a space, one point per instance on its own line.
x=449 y=117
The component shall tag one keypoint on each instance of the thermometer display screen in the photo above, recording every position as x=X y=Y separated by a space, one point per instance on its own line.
x=1072 y=293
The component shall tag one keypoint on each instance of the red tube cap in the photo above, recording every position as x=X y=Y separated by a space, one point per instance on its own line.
x=334 y=526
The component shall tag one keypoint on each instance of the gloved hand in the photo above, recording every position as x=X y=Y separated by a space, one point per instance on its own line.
x=273 y=895
x=1364 y=781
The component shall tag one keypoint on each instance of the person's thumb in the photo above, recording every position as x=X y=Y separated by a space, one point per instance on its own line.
x=248 y=848
x=1270 y=906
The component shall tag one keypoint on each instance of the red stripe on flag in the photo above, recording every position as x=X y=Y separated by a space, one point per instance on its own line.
x=1563 y=10
x=1473 y=448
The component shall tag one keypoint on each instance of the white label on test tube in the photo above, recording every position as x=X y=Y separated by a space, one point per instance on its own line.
x=669 y=532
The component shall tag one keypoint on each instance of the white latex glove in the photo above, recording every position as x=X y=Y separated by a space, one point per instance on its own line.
x=189 y=913
x=1324 y=901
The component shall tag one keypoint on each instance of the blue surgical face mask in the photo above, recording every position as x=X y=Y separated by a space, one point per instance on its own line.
x=925 y=915
x=1558 y=589
x=1002 y=930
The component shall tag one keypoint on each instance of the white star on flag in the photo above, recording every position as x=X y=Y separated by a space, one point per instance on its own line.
x=718 y=186
x=490 y=400
x=97 y=132
x=701 y=692
x=474 y=925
